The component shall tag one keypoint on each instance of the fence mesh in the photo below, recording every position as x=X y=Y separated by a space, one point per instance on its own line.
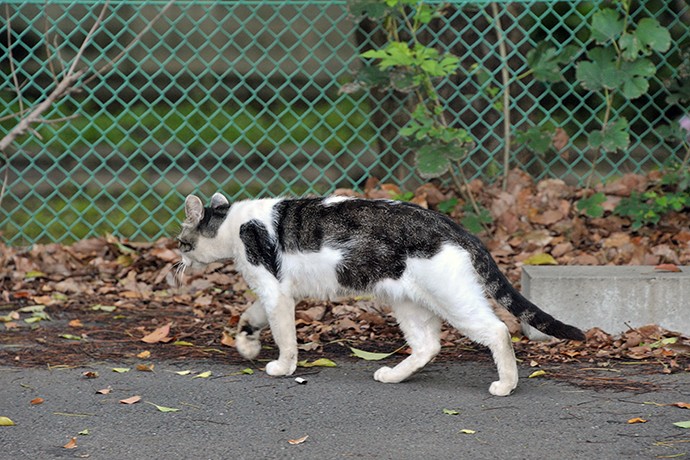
x=244 y=97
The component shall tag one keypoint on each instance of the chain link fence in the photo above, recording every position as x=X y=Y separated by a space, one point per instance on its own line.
x=245 y=97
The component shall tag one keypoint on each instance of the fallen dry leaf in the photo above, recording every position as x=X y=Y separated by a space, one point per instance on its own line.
x=668 y=268
x=75 y=323
x=145 y=367
x=159 y=335
x=37 y=401
x=682 y=405
x=144 y=354
x=90 y=374
x=560 y=139
x=72 y=444
x=227 y=339
x=131 y=400
x=298 y=440
x=104 y=391
x=637 y=420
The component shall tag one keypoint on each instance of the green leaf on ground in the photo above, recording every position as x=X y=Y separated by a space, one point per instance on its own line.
x=203 y=375
x=451 y=412
x=70 y=337
x=371 y=356
x=163 y=408
x=535 y=374
x=5 y=421
x=685 y=424
x=321 y=362
x=540 y=259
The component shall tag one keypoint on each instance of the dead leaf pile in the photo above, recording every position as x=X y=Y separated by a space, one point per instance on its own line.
x=106 y=298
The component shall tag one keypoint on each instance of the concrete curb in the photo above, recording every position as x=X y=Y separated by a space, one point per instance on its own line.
x=611 y=298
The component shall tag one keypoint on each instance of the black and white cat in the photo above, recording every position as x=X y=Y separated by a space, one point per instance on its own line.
x=420 y=262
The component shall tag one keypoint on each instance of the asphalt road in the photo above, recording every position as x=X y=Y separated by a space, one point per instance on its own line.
x=342 y=410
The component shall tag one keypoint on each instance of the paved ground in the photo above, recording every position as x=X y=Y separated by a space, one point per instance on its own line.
x=344 y=412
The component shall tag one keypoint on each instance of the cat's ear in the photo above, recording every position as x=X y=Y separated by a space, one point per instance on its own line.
x=193 y=209
x=218 y=201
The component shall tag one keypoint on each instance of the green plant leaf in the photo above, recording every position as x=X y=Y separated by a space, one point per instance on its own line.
x=395 y=54
x=612 y=137
x=121 y=370
x=592 y=205
x=371 y=75
x=430 y=163
x=601 y=71
x=374 y=9
x=447 y=206
x=606 y=25
x=475 y=222
x=404 y=81
x=537 y=138
x=650 y=36
x=546 y=61
x=635 y=76
x=6 y=421
x=685 y=424
x=451 y=412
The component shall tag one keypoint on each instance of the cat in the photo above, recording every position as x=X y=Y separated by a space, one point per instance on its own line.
x=420 y=262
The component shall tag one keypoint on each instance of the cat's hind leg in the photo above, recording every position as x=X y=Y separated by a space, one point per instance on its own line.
x=422 y=329
x=484 y=327
x=247 y=338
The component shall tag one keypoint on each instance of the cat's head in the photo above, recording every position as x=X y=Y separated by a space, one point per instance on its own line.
x=199 y=240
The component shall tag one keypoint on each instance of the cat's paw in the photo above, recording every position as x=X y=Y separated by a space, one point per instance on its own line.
x=387 y=375
x=278 y=368
x=499 y=388
x=248 y=346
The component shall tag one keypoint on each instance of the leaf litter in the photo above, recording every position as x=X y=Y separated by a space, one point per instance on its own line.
x=123 y=297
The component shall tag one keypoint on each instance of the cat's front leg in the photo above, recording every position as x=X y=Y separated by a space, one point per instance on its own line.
x=281 y=320
x=247 y=338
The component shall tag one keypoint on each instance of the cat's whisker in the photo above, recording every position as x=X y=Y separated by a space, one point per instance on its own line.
x=178 y=273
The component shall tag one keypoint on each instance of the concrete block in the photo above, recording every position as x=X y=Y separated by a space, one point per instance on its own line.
x=611 y=298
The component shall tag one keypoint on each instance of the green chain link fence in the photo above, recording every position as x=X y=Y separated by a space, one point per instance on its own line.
x=245 y=97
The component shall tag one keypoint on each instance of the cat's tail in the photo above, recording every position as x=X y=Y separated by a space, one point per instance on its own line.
x=498 y=286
